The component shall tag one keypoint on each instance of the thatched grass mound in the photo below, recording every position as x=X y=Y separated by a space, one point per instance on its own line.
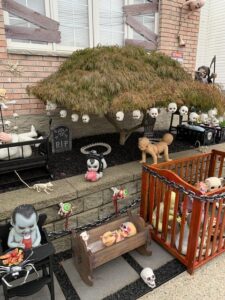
x=107 y=79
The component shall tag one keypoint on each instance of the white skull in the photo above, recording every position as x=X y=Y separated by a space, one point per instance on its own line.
x=74 y=117
x=7 y=123
x=204 y=118
x=85 y=118
x=193 y=117
x=212 y=113
x=120 y=116
x=215 y=122
x=63 y=113
x=85 y=236
x=153 y=112
x=148 y=277
x=15 y=115
x=50 y=105
x=183 y=110
x=136 y=114
x=172 y=107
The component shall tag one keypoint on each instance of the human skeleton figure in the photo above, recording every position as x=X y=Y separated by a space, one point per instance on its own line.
x=23 y=268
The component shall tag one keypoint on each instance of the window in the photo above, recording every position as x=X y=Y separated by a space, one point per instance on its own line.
x=83 y=23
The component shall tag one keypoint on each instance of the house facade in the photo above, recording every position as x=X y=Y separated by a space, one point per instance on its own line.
x=36 y=36
x=212 y=39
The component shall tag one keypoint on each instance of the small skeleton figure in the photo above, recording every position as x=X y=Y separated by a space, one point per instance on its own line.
x=120 y=116
x=153 y=112
x=85 y=118
x=172 y=107
x=183 y=110
x=148 y=277
x=136 y=114
x=25 y=229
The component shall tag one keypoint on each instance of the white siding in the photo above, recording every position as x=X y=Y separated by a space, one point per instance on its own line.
x=212 y=37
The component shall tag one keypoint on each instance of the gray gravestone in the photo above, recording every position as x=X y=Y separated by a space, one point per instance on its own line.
x=61 y=139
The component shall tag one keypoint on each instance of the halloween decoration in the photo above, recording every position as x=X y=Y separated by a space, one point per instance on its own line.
x=65 y=211
x=204 y=118
x=95 y=161
x=214 y=183
x=136 y=114
x=212 y=113
x=63 y=113
x=193 y=117
x=194 y=5
x=172 y=107
x=161 y=212
x=117 y=195
x=153 y=112
x=106 y=242
x=50 y=106
x=127 y=229
x=17 y=151
x=155 y=150
x=74 y=117
x=183 y=110
x=16 y=267
x=25 y=232
x=203 y=75
x=201 y=186
x=120 y=116
x=148 y=277
x=38 y=187
x=85 y=118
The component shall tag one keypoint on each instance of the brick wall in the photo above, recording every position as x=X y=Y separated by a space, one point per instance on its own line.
x=170 y=11
x=36 y=67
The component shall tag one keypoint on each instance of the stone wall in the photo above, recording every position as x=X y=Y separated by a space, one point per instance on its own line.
x=90 y=201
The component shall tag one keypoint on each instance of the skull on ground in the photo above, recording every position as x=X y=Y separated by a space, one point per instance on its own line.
x=148 y=277
x=85 y=118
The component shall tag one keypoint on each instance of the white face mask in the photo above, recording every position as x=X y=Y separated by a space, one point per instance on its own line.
x=24 y=226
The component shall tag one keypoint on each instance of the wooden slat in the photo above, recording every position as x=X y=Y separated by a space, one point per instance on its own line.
x=148 y=45
x=32 y=34
x=204 y=232
x=210 y=230
x=29 y=15
x=141 y=29
x=141 y=9
x=151 y=199
x=144 y=195
x=173 y=230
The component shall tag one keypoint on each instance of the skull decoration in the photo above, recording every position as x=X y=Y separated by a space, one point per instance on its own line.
x=120 y=116
x=153 y=112
x=183 y=110
x=136 y=114
x=215 y=122
x=212 y=113
x=194 y=4
x=148 y=277
x=8 y=123
x=204 y=118
x=85 y=118
x=50 y=105
x=63 y=113
x=74 y=117
x=193 y=117
x=172 y=107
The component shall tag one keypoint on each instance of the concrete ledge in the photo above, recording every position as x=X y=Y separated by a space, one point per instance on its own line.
x=91 y=200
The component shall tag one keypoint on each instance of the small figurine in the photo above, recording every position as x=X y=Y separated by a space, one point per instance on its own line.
x=95 y=164
x=155 y=150
x=148 y=277
x=25 y=232
x=117 y=195
x=203 y=75
x=214 y=183
x=172 y=107
x=65 y=211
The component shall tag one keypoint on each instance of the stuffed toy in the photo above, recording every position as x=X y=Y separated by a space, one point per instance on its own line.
x=95 y=164
x=201 y=186
x=155 y=150
x=203 y=75
x=25 y=232
x=161 y=212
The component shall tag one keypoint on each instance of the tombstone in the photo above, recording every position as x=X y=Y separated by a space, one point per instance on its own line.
x=61 y=139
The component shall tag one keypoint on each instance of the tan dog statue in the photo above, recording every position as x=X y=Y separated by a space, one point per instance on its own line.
x=155 y=149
